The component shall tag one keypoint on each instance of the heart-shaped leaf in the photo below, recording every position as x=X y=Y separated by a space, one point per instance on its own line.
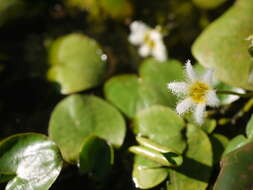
x=78 y=116
x=159 y=74
x=236 y=170
x=76 y=62
x=96 y=157
x=33 y=161
x=131 y=94
x=227 y=52
x=196 y=169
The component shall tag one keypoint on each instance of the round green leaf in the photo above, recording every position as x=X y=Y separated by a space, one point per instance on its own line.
x=236 y=170
x=161 y=125
x=131 y=94
x=96 y=157
x=227 y=51
x=76 y=62
x=159 y=74
x=196 y=169
x=33 y=161
x=147 y=174
x=79 y=116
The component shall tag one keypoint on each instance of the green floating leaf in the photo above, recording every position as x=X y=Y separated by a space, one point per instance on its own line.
x=78 y=116
x=161 y=125
x=196 y=169
x=159 y=74
x=76 y=62
x=227 y=52
x=219 y=143
x=164 y=127
x=96 y=157
x=33 y=161
x=236 y=170
x=208 y=4
x=131 y=94
x=241 y=140
x=148 y=174
x=235 y=143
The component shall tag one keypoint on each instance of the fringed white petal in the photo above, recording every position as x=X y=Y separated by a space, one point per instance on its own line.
x=155 y=35
x=190 y=72
x=208 y=77
x=184 y=106
x=144 y=50
x=138 y=31
x=178 y=87
x=212 y=99
x=159 y=51
x=199 y=113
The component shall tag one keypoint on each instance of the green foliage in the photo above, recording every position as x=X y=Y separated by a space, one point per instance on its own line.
x=96 y=157
x=161 y=125
x=197 y=160
x=131 y=94
x=147 y=174
x=236 y=170
x=77 y=116
x=241 y=140
x=84 y=46
x=29 y=161
x=227 y=52
x=77 y=68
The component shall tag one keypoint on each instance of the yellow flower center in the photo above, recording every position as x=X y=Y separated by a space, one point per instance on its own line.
x=198 y=91
x=150 y=42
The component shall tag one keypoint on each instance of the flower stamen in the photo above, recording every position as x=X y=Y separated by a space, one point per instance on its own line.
x=198 y=91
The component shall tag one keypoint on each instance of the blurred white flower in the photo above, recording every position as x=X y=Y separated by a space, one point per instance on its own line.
x=198 y=93
x=149 y=39
x=250 y=38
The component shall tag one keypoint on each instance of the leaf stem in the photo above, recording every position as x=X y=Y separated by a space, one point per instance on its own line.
x=243 y=95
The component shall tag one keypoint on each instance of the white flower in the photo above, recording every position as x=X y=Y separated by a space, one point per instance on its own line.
x=198 y=93
x=150 y=40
